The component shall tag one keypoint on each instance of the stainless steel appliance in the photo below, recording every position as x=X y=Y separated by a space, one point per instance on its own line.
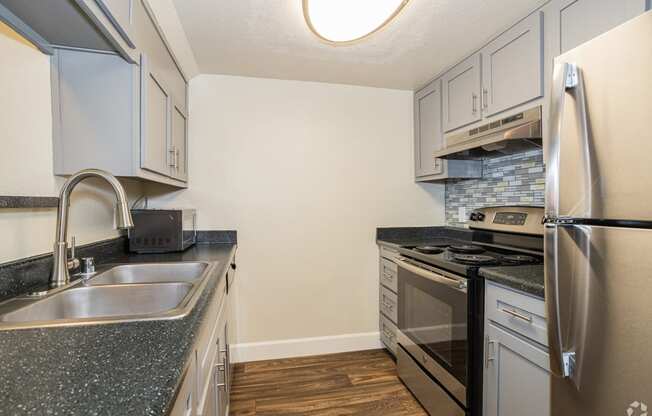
x=598 y=236
x=441 y=305
x=162 y=230
x=513 y=134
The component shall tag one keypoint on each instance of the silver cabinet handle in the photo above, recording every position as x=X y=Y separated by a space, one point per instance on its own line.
x=388 y=334
x=515 y=314
x=388 y=276
x=173 y=157
x=220 y=369
x=388 y=305
x=176 y=158
x=491 y=357
x=485 y=98
x=474 y=97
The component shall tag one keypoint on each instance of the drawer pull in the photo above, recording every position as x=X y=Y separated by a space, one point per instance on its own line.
x=388 y=334
x=388 y=305
x=517 y=315
x=388 y=276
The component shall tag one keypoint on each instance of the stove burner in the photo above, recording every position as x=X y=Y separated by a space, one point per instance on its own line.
x=475 y=259
x=519 y=259
x=429 y=249
x=466 y=249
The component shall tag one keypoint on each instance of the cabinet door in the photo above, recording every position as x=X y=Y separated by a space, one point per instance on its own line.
x=517 y=378
x=512 y=66
x=119 y=13
x=185 y=401
x=461 y=92
x=582 y=20
x=155 y=121
x=428 y=134
x=179 y=144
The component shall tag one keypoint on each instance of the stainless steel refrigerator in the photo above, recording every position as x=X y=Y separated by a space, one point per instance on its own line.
x=598 y=238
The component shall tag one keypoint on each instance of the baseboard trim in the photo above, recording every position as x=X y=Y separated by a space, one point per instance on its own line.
x=302 y=347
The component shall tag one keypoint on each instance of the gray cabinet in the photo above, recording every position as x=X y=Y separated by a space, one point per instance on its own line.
x=516 y=367
x=517 y=379
x=461 y=94
x=512 y=66
x=102 y=25
x=582 y=20
x=128 y=119
x=388 y=285
x=429 y=137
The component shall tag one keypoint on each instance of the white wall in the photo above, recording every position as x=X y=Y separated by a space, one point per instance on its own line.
x=26 y=159
x=305 y=172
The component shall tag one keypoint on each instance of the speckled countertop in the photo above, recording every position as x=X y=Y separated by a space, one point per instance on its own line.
x=111 y=369
x=527 y=279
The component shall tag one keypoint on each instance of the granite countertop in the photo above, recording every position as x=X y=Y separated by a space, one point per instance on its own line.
x=110 y=369
x=528 y=279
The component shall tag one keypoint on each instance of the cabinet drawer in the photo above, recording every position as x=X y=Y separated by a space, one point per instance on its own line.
x=517 y=311
x=388 y=333
x=388 y=253
x=389 y=274
x=389 y=303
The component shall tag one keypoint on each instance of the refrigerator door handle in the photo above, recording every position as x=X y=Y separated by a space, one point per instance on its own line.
x=567 y=77
x=555 y=343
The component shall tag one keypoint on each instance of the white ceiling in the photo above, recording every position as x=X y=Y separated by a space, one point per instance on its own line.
x=269 y=38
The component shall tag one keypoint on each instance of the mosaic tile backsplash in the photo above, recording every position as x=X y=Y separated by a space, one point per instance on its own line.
x=517 y=179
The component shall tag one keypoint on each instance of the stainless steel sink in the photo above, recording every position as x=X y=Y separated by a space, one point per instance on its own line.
x=150 y=273
x=123 y=293
x=103 y=301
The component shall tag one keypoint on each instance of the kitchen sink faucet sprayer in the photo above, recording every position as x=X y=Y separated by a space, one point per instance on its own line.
x=60 y=275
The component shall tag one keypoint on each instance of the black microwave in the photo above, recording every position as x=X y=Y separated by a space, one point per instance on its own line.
x=162 y=230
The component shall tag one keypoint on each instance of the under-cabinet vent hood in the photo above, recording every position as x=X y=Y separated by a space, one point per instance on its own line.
x=509 y=135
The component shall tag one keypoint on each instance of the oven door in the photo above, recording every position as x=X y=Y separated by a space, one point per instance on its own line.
x=433 y=323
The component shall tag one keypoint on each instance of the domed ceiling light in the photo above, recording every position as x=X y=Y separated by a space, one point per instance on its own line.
x=346 y=21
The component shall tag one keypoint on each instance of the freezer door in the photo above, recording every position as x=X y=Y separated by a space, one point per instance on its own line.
x=598 y=158
x=599 y=302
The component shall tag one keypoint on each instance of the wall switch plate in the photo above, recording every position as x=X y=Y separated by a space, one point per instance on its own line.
x=461 y=214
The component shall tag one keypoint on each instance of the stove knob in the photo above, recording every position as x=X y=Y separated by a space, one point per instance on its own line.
x=473 y=216
x=480 y=216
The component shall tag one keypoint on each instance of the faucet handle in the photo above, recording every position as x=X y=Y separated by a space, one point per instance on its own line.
x=88 y=265
x=73 y=263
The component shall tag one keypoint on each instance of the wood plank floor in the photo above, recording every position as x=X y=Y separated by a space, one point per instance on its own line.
x=356 y=383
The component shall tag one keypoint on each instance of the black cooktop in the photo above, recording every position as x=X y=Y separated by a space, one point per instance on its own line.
x=467 y=256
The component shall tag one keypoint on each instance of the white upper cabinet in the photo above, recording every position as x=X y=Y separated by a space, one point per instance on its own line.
x=461 y=93
x=582 y=20
x=512 y=67
x=120 y=13
x=428 y=130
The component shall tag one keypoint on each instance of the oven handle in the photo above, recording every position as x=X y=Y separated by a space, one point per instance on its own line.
x=459 y=284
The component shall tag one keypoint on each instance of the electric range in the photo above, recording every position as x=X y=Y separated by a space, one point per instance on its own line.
x=441 y=306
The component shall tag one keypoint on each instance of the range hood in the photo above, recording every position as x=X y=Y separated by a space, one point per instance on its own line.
x=509 y=135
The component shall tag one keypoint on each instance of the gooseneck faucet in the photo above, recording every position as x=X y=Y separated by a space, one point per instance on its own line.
x=60 y=275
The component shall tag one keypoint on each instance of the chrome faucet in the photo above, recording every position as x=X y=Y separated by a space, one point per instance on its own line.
x=60 y=275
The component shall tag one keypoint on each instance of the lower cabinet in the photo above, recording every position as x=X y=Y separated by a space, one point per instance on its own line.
x=388 y=306
x=517 y=381
x=516 y=367
x=206 y=382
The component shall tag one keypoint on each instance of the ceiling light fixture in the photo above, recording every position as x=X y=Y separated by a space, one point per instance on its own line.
x=345 y=21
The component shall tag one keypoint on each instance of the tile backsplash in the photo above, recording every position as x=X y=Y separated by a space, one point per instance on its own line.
x=516 y=179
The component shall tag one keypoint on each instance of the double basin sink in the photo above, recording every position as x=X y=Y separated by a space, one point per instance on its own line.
x=133 y=292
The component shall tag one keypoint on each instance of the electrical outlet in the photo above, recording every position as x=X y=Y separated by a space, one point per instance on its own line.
x=461 y=214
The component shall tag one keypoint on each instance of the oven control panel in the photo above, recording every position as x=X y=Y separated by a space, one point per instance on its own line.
x=515 y=219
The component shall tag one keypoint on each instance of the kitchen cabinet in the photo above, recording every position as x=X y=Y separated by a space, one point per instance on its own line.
x=184 y=405
x=516 y=370
x=100 y=25
x=582 y=20
x=512 y=66
x=517 y=378
x=128 y=119
x=429 y=137
x=388 y=298
x=461 y=94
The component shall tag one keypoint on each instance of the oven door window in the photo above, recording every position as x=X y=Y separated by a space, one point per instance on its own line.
x=434 y=316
